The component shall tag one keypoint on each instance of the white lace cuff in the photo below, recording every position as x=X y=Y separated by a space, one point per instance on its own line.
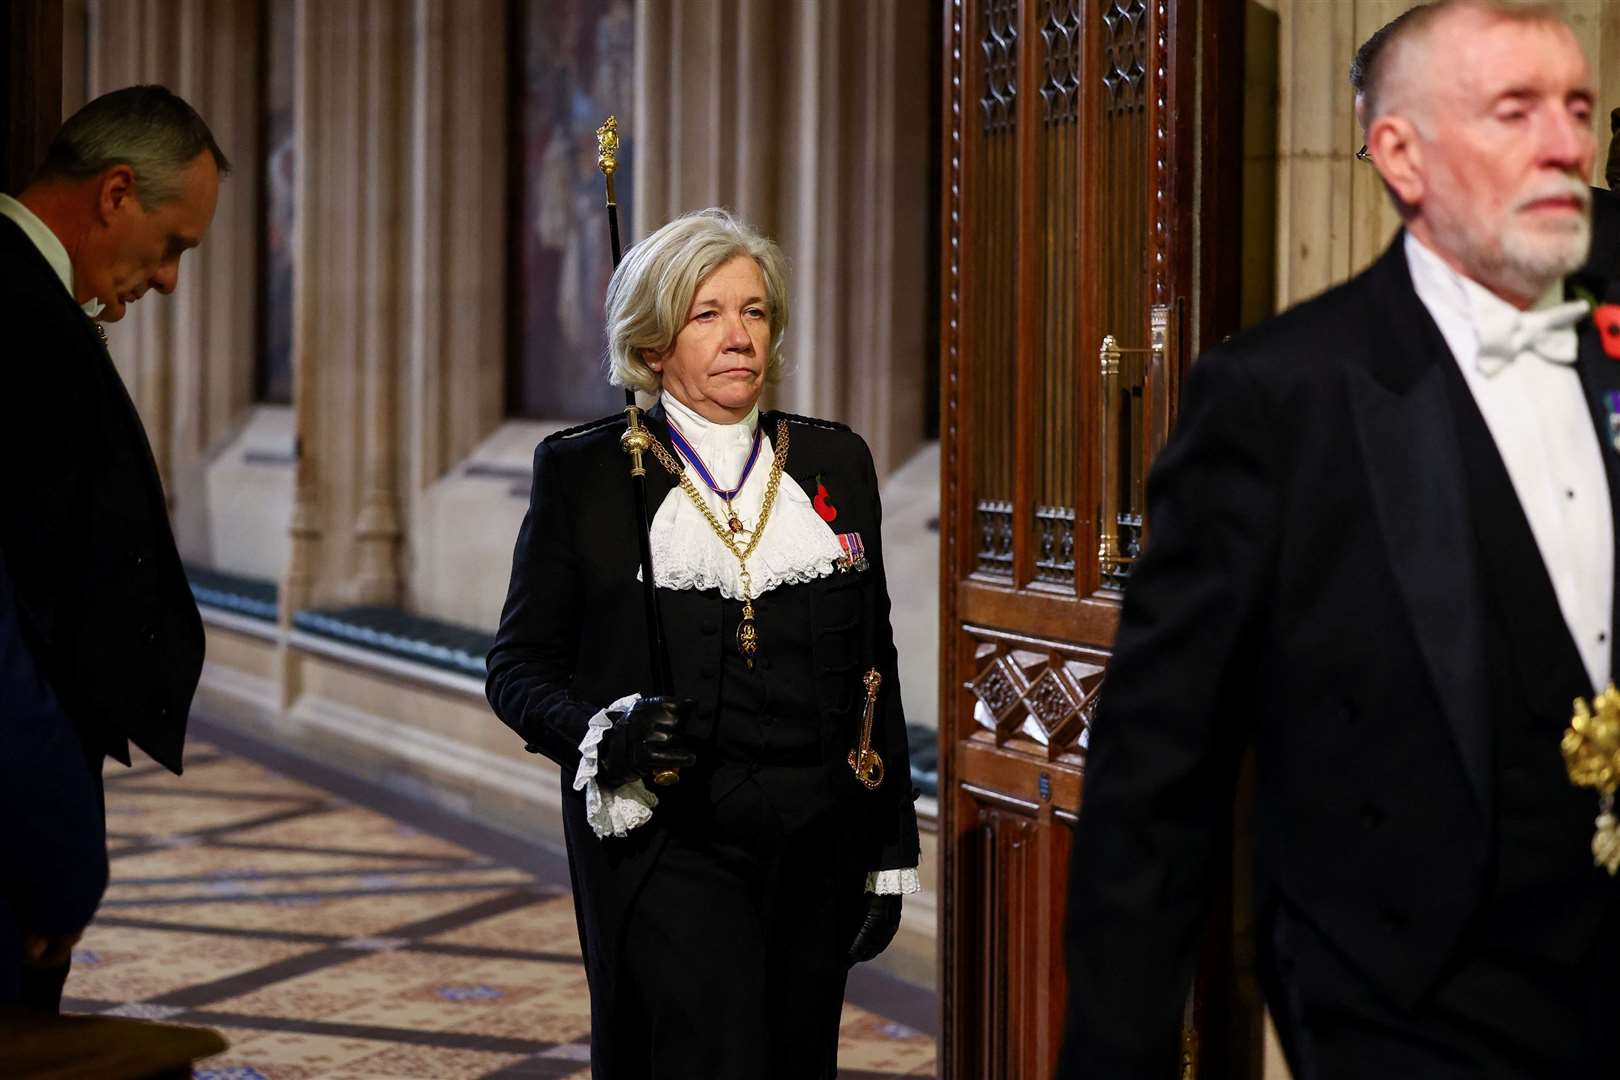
x=616 y=811
x=893 y=882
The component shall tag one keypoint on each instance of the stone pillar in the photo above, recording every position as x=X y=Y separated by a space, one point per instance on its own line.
x=455 y=314
x=311 y=65
x=188 y=359
x=399 y=293
x=811 y=121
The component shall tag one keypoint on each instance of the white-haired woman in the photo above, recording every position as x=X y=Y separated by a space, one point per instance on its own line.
x=720 y=915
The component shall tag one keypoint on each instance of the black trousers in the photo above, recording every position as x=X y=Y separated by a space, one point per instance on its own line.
x=42 y=987
x=1495 y=1013
x=735 y=952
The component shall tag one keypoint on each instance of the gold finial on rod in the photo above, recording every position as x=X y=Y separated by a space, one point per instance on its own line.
x=607 y=152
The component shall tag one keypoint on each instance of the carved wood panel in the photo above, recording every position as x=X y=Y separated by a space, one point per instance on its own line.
x=1074 y=176
x=993 y=198
x=1017 y=858
x=1033 y=697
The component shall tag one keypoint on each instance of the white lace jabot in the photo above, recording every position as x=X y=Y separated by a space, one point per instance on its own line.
x=797 y=546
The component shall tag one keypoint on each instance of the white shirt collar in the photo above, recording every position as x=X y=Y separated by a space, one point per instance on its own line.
x=49 y=245
x=723 y=447
x=1438 y=285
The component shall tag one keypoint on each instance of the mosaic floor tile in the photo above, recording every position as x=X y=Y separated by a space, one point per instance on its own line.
x=400 y=1062
x=131 y=965
x=166 y=817
x=294 y=1056
x=547 y=927
x=327 y=941
x=353 y=828
x=340 y=917
x=226 y=862
x=558 y=1011
x=869 y=1041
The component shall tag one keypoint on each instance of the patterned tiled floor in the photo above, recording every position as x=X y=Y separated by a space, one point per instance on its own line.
x=329 y=940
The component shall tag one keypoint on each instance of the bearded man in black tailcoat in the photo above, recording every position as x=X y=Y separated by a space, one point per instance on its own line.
x=1382 y=555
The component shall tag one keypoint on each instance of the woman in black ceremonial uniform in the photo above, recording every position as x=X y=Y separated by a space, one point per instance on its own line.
x=719 y=914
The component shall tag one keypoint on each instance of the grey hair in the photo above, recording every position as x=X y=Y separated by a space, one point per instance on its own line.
x=652 y=290
x=1380 y=56
x=148 y=128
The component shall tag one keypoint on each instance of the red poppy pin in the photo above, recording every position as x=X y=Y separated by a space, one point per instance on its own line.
x=1607 y=319
x=826 y=509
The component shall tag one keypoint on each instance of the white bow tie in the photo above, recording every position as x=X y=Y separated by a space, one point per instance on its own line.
x=1549 y=333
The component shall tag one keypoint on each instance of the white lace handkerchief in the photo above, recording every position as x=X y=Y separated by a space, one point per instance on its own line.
x=894 y=882
x=616 y=811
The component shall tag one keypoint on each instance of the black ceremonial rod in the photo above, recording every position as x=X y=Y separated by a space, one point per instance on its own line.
x=636 y=440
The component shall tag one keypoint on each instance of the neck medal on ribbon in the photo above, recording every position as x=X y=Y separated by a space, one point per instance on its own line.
x=1591 y=749
x=730 y=532
x=733 y=522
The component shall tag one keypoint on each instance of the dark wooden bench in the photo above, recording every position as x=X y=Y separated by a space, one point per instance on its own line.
x=39 y=1046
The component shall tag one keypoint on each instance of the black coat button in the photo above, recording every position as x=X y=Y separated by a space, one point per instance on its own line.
x=151 y=637
x=140 y=560
x=1371 y=817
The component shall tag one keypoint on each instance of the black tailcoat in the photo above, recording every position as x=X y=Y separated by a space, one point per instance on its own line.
x=572 y=641
x=84 y=524
x=1314 y=588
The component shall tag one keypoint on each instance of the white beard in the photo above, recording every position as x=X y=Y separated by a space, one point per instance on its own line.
x=1541 y=257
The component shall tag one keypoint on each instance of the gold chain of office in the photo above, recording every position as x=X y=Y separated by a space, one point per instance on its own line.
x=747 y=631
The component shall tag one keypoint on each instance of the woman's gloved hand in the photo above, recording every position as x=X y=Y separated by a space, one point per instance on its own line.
x=878 y=925
x=645 y=740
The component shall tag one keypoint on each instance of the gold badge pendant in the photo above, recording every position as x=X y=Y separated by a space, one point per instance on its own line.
x=1591 y=750
x=863 y=759
x=748 y=634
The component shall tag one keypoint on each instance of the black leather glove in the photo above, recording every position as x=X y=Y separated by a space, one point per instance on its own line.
x=878 y=925
x=645 y=740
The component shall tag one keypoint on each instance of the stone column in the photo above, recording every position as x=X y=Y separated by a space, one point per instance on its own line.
x=311 y=65
x=399 y=294
x=455 y=314
x=188 y=359
x=811 y=121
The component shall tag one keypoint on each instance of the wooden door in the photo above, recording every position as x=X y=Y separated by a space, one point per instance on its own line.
x=31 y=73
x=1090 y=225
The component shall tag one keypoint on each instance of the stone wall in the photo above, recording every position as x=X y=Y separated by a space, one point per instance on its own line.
x=1332 y=215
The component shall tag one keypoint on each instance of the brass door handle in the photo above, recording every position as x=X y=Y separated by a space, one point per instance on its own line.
x=1121 y=370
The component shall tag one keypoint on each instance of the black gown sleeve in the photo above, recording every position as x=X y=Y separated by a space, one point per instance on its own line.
x=899 y=844
x=531 y=665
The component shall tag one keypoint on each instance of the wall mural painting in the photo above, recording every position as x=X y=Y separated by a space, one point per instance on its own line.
x=273 y=381
x=577 y=67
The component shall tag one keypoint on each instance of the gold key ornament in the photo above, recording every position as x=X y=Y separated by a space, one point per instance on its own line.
x=863 y=759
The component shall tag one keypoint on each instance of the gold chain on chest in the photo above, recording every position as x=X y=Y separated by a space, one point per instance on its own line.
x=747 y=630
